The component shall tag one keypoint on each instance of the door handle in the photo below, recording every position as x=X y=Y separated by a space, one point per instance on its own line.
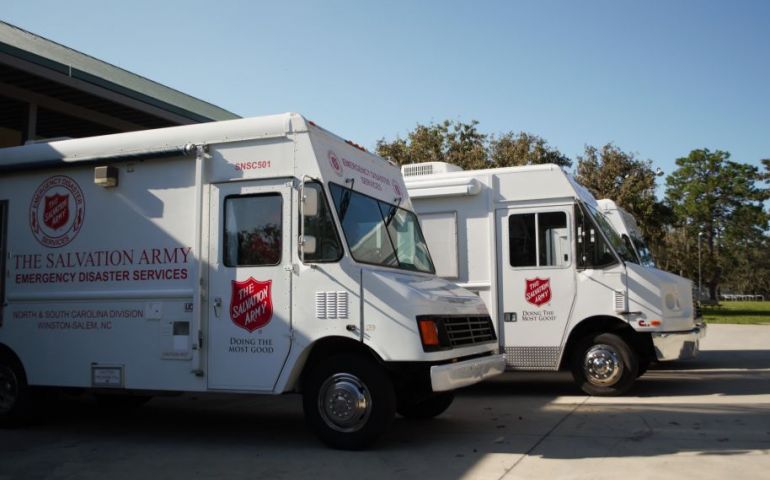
x=217 y=305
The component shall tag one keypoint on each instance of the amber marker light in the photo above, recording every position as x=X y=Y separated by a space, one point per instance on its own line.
x=656 y=323
x=429 y=333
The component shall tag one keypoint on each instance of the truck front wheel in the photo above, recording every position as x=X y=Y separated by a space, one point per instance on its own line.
x=425 y=408
x=349 y=401
x=603 y=364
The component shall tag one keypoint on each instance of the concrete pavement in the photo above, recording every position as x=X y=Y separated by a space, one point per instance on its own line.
x=709 y=418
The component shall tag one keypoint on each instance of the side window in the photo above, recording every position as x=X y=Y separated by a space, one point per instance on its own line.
x=553 y=238
x=521 y=240
x=539 y=239
x=253 y=229
x=322 y=229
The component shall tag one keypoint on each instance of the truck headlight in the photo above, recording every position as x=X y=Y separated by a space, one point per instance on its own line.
x=672 y=302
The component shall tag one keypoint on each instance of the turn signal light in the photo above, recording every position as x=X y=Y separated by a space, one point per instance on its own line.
x=429 y=333
x=656 y=323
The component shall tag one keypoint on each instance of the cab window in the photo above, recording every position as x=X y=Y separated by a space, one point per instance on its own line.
x=538 y=239
x=320 y=227
x=253 y=229
x=592 y=250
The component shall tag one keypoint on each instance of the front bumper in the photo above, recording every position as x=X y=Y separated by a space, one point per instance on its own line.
x=461 y=374
x=678 y=345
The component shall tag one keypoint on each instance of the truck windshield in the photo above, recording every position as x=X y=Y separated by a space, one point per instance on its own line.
x=381 y=233
x=612 y=236
x=645 y=257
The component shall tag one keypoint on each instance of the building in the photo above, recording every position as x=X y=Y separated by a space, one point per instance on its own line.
x=50 y=91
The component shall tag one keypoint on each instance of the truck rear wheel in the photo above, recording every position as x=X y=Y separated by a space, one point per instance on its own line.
x=349 y=401
x=15 y=396
x=603 y=364
x=430 y=407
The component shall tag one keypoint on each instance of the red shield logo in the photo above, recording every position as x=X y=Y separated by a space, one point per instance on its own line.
x=251 y=305
x=335 y=163
x=57 y=211
x=538 y=291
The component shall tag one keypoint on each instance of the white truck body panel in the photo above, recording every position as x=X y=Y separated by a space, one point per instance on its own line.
x=143 y=285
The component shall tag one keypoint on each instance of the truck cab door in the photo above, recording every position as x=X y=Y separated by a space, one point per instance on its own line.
x=249 y=300
x=536 y=278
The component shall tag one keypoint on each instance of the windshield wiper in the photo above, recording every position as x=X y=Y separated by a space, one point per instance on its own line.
x=391 y=214
x=345 y=203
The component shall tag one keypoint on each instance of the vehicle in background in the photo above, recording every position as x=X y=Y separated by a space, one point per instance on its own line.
x=564 y=289
x=261 y=255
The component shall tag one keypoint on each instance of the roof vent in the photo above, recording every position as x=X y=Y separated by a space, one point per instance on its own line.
x=428 y=168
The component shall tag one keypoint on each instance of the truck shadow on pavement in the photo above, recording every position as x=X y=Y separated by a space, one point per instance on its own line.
x=724 y=372
x=718 y=404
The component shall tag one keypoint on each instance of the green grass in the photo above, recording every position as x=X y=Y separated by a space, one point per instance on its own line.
x=737 y=312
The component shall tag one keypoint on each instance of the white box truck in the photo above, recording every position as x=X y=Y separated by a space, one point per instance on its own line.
x=557 y=278
x=261 y=255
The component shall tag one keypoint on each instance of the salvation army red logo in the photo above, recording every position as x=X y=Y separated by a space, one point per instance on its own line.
x=538 y=291
x=57 y=211
x=335 y=163
x=251 y=304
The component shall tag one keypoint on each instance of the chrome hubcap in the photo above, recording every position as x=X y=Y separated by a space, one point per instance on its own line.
x=344 y=402
x=602 y=365
x=9 y=389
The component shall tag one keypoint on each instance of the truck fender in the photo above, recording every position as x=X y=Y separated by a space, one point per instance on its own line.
x=322 y=348
x=597 y=324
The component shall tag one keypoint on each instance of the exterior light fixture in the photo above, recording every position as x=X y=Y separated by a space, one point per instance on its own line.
x=106 y=176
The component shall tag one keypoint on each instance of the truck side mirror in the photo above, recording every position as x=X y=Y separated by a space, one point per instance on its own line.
x=308 y=245
x=310 y=202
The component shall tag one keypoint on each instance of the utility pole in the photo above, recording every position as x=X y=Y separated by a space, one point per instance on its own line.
x=700 y=291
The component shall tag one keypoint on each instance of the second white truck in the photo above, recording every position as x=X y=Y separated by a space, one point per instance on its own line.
x=564 y=289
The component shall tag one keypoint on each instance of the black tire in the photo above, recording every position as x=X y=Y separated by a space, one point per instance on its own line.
x=430 y=407
x=349 y=401
x=644 y=365
x=16 y=399
x=603 y=364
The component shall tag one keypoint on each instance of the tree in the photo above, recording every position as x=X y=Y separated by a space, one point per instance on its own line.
x=611 y=173
x=463 y=145
x=512 y=149
x=721 y=202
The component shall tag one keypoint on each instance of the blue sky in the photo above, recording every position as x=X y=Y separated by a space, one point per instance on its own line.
x=657 y=78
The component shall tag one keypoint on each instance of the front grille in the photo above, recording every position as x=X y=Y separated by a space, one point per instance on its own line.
x=471 y=330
